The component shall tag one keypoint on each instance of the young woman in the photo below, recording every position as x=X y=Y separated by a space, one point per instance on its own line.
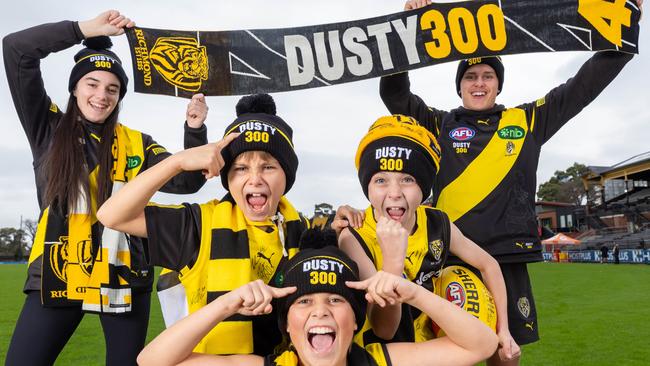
x=81 y=156
x=320 y=303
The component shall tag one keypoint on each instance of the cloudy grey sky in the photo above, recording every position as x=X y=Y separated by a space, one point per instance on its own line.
x=328 y=122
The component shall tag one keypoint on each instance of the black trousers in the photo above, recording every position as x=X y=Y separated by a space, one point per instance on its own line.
x=41 y=333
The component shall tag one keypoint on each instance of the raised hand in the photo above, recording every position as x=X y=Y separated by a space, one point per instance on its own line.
x=108 y=23
x=347 y=216
x=197 y=111
x=393 y=241
x=416 y=4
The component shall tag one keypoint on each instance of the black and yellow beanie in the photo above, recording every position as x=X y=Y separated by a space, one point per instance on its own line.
x=493 y=61
x=97 y=56
x=398 y=143
x=261 y=130
x=319 y=266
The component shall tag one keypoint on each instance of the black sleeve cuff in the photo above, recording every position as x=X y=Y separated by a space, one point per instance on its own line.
x=194 y=137
x=77 y=31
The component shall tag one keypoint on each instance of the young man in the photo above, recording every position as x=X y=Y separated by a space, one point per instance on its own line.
x=487 y=178
x=397 y=161
x=221 y=245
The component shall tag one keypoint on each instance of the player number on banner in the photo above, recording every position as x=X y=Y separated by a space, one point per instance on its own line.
x=476 y=28
x=607 y=17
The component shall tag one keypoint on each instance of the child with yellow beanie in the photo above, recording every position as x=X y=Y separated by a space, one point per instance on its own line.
x=397 y=161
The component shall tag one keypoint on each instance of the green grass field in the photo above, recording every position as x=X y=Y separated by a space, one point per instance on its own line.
x=589 y=314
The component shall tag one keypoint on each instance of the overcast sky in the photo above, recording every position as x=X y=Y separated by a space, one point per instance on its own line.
x=328 y=122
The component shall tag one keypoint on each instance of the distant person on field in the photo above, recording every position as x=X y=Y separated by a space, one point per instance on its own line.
x=604 y=252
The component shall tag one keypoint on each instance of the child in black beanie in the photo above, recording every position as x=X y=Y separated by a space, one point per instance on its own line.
x=397 y=162
x=320 y=303
x=223 y=244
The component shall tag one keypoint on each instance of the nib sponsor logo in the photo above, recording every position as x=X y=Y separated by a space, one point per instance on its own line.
x=511 y=133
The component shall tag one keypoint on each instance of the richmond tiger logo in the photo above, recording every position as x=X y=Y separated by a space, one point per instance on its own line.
x=435 y=247
x=60 y=257
x=180 y=61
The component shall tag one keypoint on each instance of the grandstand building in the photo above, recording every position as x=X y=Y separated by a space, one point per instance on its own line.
x=618 y=212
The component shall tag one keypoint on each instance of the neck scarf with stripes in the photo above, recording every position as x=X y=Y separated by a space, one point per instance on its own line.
x=240 y=251
x=74 y=271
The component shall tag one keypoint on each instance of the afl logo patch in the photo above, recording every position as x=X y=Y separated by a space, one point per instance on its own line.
x=455 y=294
x=462 y=134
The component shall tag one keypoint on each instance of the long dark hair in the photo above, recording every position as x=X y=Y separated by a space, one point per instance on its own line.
x=65 y=163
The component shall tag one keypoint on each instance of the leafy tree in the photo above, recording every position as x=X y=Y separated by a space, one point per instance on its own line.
x=565 y=186
x=12 y=242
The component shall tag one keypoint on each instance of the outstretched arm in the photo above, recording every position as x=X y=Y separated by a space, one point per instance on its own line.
x=22 y=54
x=468 y=341
x=175 y=344
x=124 y=211
x=472 y=254
x=565 y=101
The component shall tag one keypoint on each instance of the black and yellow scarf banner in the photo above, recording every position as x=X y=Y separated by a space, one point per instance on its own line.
x=182 y=63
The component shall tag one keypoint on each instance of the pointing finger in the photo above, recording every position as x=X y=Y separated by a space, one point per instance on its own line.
x=358 y=285
x=228 y=139
x=283 y=291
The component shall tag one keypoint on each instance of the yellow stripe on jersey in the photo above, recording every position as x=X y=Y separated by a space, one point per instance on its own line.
x=486 y=171
x=532 y=122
